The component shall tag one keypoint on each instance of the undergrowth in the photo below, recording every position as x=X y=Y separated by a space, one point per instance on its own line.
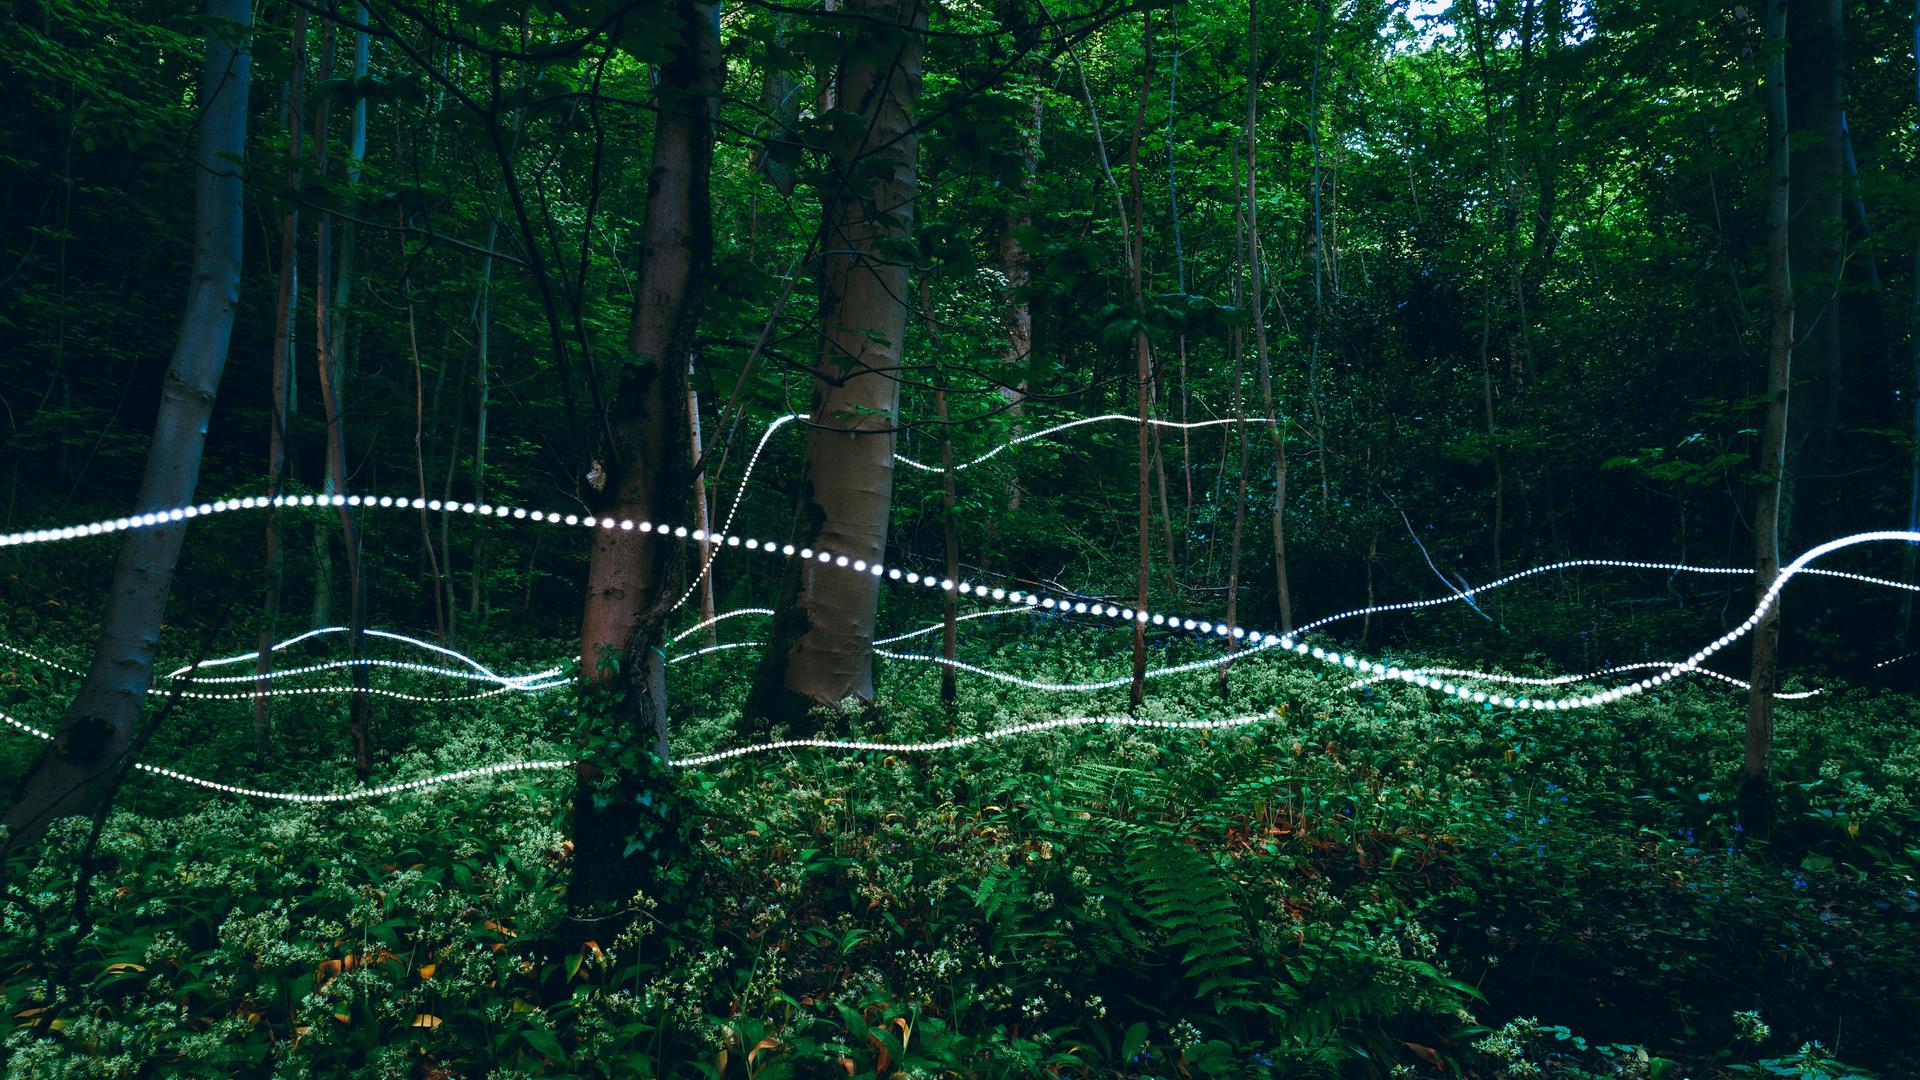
x=1366 y=883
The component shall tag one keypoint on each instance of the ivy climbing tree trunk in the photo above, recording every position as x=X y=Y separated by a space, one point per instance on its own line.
x=1755 y=797
x=96 y=732
x=645 y=474
x=821 y=650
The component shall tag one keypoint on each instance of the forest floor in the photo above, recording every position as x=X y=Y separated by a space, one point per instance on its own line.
x=1364 y=882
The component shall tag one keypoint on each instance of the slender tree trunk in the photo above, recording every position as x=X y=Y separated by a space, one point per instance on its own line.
x=322 y=311
x=821 y=651
x=1913 y=387
x=1180 y=277
x=1755 y=795
x=419 y=442
x=1283 y=593
x=1143 y=360
x=1237 y=345
x=1318 y=246
x=949 y=610
x=75 y=772
x=477 y=568
x=700 y=510
x=1817 y=241
x=333 y=294
x=647 y=476
x=1017 y=316
x=283 y=365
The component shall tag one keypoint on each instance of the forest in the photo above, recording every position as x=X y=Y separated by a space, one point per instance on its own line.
x=980 y=538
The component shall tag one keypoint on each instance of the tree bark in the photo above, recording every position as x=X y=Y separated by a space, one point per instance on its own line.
x=1016 y=317
x=1816 y=234
x=646 y=475
x=333 y=291
x=821 y=651
x=75 y=771
x=950 y=603
x=1143 y=365
x=1283 y=594
x=1913 y=387
x=1755 y=797
x=284 y=365
x=700 y=510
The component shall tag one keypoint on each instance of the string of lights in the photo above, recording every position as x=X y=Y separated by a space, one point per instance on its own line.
x=695 y=761
x=1562 y=680
x=1335 y=658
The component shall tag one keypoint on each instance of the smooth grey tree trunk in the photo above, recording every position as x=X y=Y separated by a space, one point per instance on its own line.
x=821 y=651
x=76 y=771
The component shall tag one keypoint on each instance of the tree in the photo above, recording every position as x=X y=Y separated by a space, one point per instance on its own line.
x=285 y=369
x=821 y=649
x=1816 y=238
x=645 y=475
x=1755 y=799
x=1257 y=302
x=73 y=775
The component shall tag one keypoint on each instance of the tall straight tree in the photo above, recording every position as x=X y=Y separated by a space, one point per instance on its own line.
x=333 y=293
x=1257 y=301
x=645 y=472
x=1143 y=360
x=1755 y=798
x=75 y=771
x=821 y=652
x=284 y=369
x=1816 y=115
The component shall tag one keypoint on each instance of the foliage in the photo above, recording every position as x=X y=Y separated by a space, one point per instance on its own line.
x=1349 y=888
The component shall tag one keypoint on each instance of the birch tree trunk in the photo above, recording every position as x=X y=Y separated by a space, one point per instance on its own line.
x=1755 y=797
x=97 y=730
x=821 y=651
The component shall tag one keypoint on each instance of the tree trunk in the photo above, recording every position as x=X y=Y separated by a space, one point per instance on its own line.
x=1755 y=797
x=1017 y=316
x=75 y=771
x=950 y=604
x=647 y=476
x=1277 y=431
x=1238 y=347
x=284 y=364
x=1317 y=244
x=1143 y=362
x=821 y=650
x=333 y=289
x=700 y=511
x=1816 y=236
x=1913 y=387
x=419 y=441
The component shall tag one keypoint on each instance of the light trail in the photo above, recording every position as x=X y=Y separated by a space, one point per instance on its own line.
x=1562 y=680
x=894 y=574
x=695 y=761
